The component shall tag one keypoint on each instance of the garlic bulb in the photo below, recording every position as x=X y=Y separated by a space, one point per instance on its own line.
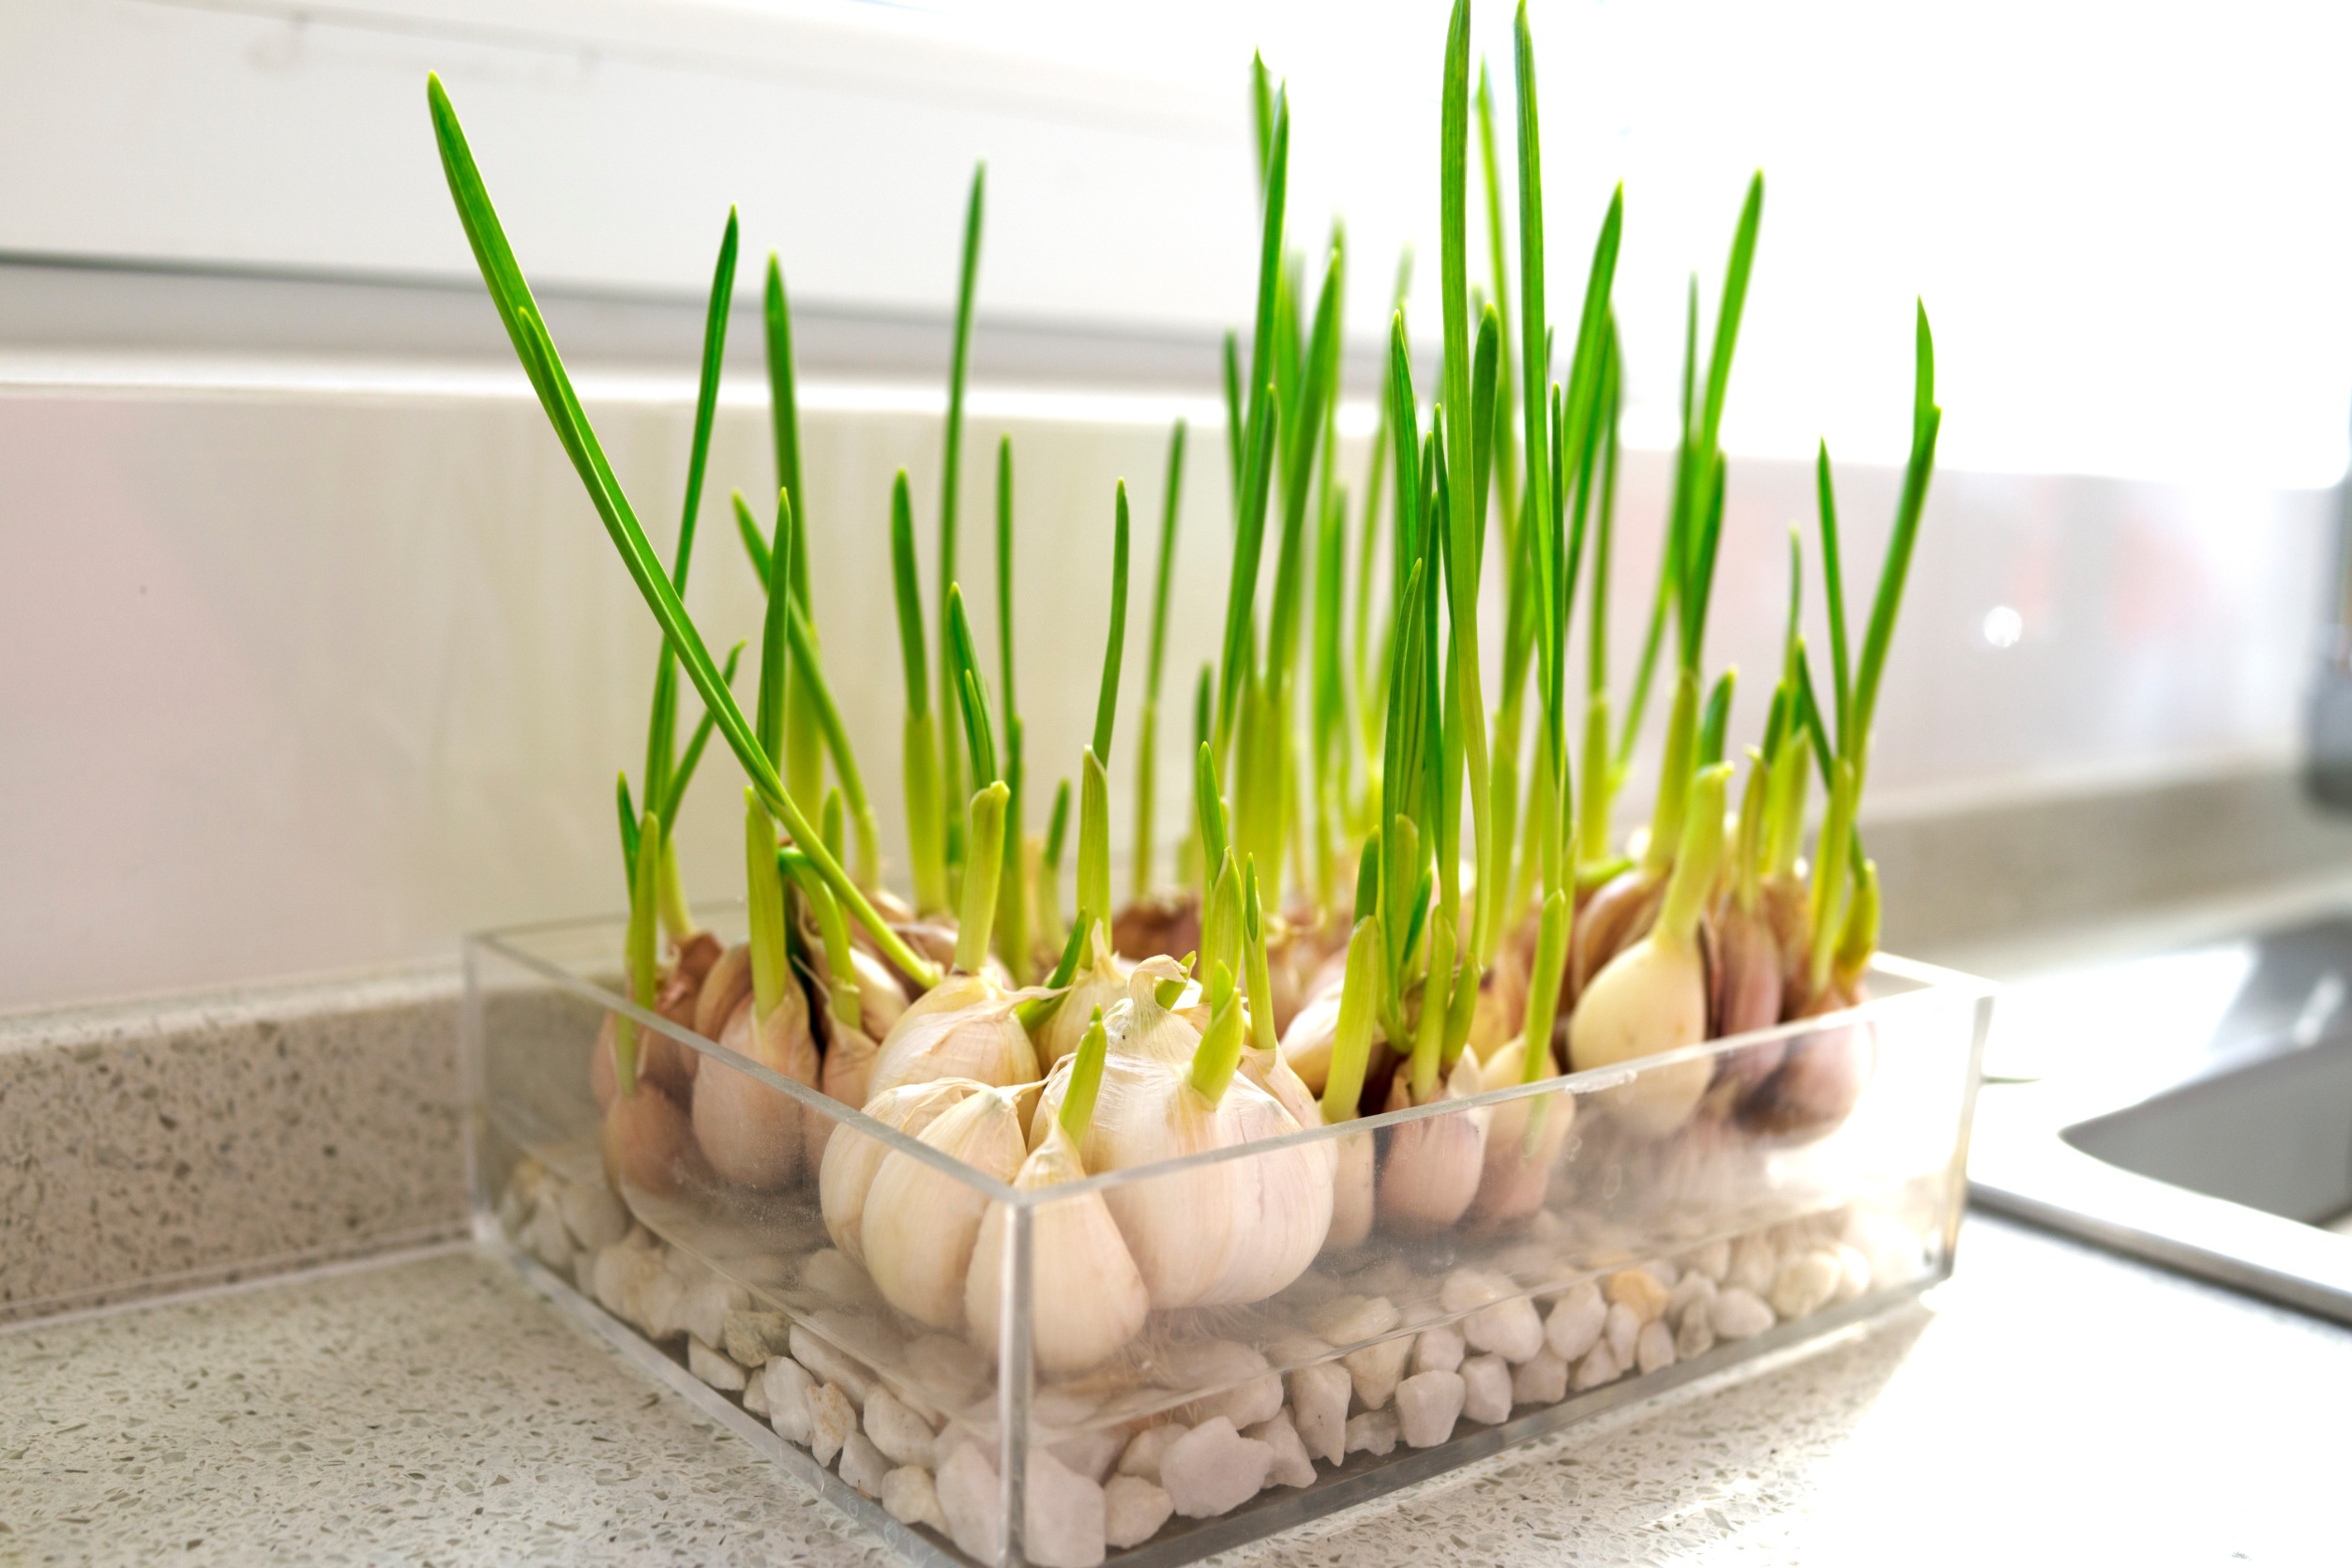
x=1651 y=998
x=963 y=1027
x=921 y=1223
x=846 y=1172
x=752 y=1133
x=1224 y=1233
x=1086 y=1298
x=1519 y=1166
x=1433 y=1162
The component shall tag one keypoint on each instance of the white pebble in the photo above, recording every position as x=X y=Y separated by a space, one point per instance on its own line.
x=1600 y=1366
x=1656 y=1347
x=1623 y=1328
x=749 y=1338
x=1353 y=1319
x=1697 y=1336
x=1806 y=1285
x=1318 y=1409
x=1373 y=1432
x=1091 y=1453
x=831 y=1419
x=1853 y=1271
x=1739 y=1313
x=908 y=1496
x=1062 y=1517
x=1754 y=1262
x=830 y=1364
x=863 y=1465
x=713 y=1366
x=1513 y=1330
x=1468 y=1289
x=1486 y=1387
x=788 y=1386
x=971 y=1502
x=544 y=1237
x=1438 y=1349
x=1427 y=1406
x=1694 y=1287
x=1144 y=1450
x=1540 y=1380
x=755 y=1394
x=949 y=1368
x=591 y=1213
x=1213 y=1470
x=1133 y=1510
x=661 y=1306
x=1293 y=1467
x=1638 y=1292
x=896 y=1430
x=1252 y=1402
x=1576 y=1321
x=1377 y=1370
x=621 y=1273
x=707 y=1305
x=1713 y=1260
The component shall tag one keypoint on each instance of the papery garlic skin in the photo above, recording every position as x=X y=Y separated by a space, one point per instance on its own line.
x=1514 y=1177
x=963 y=1027
x=845 y=1175
x=723 y=990
x=921 y=1223
x=880 y=1001
x=1086 y=1298
x=1433 y=1164
x=1649 y=1000
x=753 y=1133
x=647 y=1143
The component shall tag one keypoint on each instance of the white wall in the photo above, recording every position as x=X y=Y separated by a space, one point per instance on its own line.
x=310 y=669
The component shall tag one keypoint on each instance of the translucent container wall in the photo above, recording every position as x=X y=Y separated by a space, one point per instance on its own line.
x=987 y=1356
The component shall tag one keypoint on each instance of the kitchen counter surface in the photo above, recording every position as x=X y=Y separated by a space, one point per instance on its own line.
x=2051 y=1403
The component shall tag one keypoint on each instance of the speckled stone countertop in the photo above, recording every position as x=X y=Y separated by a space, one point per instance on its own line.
x=2050 y=1403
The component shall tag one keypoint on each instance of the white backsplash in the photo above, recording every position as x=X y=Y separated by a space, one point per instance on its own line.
x=314 y=667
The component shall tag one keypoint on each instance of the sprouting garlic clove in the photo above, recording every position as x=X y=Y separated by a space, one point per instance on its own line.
x=1650 y=999
x=1434 y=1162
x=1512 y=1181
x=845 y=1174
x=647 y=1143
x=921 y=1223
x=1102 y=983
x=723 y=990
x=963 y=1027
x=880 y=999
x=1086 y=1298
x=1618 y=915
x=752 y=1133
x=848 y=1065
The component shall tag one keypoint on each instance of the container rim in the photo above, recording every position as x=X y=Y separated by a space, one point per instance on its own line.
x=1926 y=984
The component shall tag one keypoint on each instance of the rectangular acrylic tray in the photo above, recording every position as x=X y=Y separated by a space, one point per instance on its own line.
x=1598 y=1266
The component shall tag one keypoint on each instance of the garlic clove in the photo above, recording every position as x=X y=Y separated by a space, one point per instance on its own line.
x=1102 y=983
x=1433 y=1165
x=963 y=1027
x=750 y=1132
x=647 y=1143
x=1306 y=1045
x=1086 y=1298
x=1619 y=914
x=920 y=1223
x=846 y=1172
x=881 y=998
x=1352 y=1192
x=1514 y=1176
x=1650 y=999
x=723 y=990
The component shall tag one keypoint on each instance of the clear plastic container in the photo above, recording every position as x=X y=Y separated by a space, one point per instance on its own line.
x=1272 y=1374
